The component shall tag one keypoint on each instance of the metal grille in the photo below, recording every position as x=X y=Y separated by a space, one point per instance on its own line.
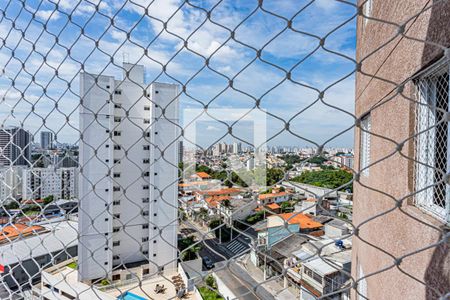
x=432 y=140
x=142 y=149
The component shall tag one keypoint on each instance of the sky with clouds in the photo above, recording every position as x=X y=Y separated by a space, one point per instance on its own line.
x=281 y=55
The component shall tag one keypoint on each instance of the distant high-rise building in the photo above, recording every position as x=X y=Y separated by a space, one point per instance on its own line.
x=14 y=147
x=39 y=183
x=10 y=184
x=129 y=218
x=250 y=164
x=235 y=148
x=46 y=140
x=216 y=149
x=180 y=151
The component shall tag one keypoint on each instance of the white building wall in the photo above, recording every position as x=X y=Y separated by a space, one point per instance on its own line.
x=132 y=168
x=95 y=188
x=164 y=175
x=10 y=184
x=39 y=183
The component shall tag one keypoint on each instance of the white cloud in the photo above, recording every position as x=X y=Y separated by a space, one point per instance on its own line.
x=212 y=128
x=326 y=4
x=48 y=15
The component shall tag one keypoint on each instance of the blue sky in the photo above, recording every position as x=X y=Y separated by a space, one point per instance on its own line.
x=135 y=33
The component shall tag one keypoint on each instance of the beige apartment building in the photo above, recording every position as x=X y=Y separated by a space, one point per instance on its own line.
x=402 y=151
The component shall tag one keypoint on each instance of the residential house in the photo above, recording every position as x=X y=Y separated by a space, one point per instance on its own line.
x=326 y=275
x=200 y=176
x=236 y=209
x=296 y=223
x=274 y=197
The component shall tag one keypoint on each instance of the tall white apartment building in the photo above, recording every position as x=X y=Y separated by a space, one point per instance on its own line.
x=10 y=184
x=128 y=175
x=38 y=183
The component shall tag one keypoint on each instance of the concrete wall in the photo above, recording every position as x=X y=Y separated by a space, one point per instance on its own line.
x=396 y=232
x=224 y=291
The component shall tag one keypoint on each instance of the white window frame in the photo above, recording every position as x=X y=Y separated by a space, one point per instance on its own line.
x=426 y=143
x=364 y=149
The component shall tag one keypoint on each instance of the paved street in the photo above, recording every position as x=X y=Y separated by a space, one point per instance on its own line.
x=236 y=277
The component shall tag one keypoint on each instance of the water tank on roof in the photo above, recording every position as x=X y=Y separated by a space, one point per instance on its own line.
x=340 y=244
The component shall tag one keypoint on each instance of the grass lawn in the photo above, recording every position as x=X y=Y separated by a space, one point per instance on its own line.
x=72 y=265
x=207 y=294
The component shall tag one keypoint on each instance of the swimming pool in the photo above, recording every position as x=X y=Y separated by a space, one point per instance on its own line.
x=130 y=296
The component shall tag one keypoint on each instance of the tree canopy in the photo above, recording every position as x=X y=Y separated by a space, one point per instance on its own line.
x=326 y=178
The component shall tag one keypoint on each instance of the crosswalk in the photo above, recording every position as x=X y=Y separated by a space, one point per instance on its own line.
x=237 y=247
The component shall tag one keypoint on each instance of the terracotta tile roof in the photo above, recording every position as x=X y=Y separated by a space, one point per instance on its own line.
x=227 y=191
x=33 y=201
x=213 y=201
x=272 y=195
x=12 y=232
x=202 y=175
x=193 y=183
x=273 y=206
x=304 y=221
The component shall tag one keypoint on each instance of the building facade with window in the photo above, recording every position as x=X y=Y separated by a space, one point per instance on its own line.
x=39 y=183
x=46 y=140
x=401 y=201
x=15 y=147
x=128 y=174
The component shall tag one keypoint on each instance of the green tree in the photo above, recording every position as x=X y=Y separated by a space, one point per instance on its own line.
x=273 y=176
x=202 y=168
x=12 y=205
x=48 y=199
x=189 y=248
x=286 y=206
x=255 y=218
x=318 y=160
x=211 y=282
x=326 y=178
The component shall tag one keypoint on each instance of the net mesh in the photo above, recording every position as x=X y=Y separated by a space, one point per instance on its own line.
x=142 y=149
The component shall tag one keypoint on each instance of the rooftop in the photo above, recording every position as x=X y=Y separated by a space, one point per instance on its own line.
x=273 y=206
x=65 y=278
x=203 y=175
x=226 y=191
x=215 y=200
x=289 y=245
x=55 y=236
x=272 y=195
x=322 y=266
x=304 y=221
x=193 y=183
x=12 y=232
x=338 y=224
x=146 y=288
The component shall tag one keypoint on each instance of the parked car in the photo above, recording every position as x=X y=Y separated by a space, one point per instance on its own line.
x=207 y=262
